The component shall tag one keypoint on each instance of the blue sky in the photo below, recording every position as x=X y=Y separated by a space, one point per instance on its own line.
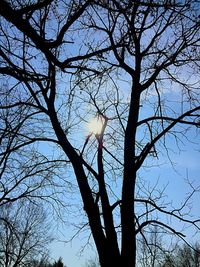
x=186 y=165
x=170 y=173
x=186 y=159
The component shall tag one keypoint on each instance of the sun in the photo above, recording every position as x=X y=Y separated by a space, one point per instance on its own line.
x=95 y=125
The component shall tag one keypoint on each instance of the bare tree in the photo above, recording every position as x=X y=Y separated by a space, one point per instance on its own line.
x=151 y=249
x=158 y=252
x=183 y=255
x=25 y=172
x=24 y=234
x=92 y=263
x=122 y=61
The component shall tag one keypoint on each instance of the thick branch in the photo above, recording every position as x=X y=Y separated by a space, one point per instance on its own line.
x=164 y=118
x=146 y=223
x=151 y=145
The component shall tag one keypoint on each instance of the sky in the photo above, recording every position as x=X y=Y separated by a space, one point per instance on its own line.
x=172 y=176
x=186 y=164
x=176 y=188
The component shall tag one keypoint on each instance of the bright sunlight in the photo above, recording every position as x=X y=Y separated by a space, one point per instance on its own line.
x=95 y=125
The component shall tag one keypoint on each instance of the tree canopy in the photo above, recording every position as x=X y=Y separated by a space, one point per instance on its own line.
x=131 y=65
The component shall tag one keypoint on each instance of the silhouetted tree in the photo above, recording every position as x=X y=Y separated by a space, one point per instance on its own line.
x=183 y=256
x=25 y=173
x=45 y=262
x=58 y=263
x=24 y=234
x=133 y=65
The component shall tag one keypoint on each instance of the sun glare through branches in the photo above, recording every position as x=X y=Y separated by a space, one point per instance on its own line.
x=95 y=125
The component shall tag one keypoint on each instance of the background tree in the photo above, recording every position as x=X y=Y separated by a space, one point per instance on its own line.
x=123 y=61
x=45 y=261
x=24 y=234
x=152 y=250
x=184 y=256
x=58 y=263
x=92 y=263
x=161 y=254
